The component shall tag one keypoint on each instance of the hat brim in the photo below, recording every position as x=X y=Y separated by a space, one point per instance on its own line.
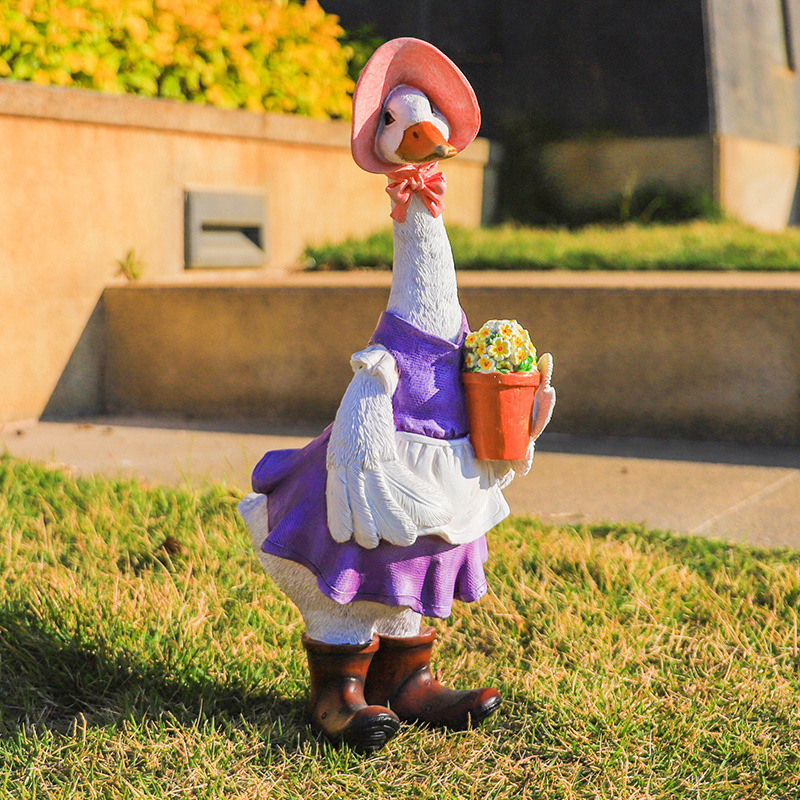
x=419 y=64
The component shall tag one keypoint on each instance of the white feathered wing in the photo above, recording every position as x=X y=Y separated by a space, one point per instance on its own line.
x=370 y=494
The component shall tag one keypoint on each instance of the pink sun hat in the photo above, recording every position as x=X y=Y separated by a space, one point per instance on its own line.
x=414 y=63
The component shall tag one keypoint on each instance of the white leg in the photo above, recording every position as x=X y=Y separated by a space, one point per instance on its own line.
x=406 y=622
x=325 y=619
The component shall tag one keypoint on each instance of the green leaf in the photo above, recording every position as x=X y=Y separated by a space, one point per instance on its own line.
x=526 y=365
x=170 y=86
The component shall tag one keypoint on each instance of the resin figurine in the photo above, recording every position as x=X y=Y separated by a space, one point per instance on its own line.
x=381 y=520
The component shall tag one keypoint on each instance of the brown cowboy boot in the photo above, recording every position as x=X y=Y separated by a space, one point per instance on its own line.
x=400 y=677
x=336 y=704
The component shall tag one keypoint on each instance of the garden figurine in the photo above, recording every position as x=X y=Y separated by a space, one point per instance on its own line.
x=382 y=519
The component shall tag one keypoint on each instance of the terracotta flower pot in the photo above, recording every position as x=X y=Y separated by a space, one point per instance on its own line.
x=499 y=409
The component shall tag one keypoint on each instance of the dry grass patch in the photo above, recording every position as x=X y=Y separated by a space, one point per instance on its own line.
x=634 y=664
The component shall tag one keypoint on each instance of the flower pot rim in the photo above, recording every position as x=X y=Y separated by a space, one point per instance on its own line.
x=531 y=378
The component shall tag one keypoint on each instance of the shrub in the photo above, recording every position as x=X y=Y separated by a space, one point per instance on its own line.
x=263 y=55
x=697 y=245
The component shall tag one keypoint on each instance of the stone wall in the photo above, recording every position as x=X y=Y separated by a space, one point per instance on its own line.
x=708 y=356
x=86 y=177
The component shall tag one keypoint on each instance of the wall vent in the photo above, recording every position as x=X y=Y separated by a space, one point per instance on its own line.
x=224 y=230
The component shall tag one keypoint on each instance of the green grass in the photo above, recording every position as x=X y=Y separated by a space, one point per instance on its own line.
x=697 y=245
x=634 y=664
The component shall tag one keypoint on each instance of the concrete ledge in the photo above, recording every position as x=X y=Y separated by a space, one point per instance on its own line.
x=708 y=356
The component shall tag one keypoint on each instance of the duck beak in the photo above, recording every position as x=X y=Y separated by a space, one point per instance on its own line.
x=424 y=142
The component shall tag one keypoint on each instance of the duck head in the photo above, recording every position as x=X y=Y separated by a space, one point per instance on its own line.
x=411 y=129
x=417 y=85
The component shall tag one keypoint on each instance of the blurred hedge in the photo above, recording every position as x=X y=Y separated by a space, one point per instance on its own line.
x=263 y=55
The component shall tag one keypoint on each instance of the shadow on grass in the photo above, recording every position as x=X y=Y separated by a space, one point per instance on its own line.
x=52 y=680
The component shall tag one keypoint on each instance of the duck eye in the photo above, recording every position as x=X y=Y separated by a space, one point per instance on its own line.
x=388 y=119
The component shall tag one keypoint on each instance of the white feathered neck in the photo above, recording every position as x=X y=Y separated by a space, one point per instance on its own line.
x=424 y=290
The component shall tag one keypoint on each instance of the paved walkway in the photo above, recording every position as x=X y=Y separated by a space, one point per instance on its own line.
x=746 y=493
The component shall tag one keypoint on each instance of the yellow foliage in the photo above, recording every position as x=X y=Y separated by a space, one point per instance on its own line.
x=273 y=55
x=60 y=77
x=137 y=27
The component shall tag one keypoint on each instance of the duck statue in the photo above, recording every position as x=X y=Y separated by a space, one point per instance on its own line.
x=382 y=519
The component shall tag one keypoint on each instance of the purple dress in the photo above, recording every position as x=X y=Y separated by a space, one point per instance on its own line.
x=426 y=575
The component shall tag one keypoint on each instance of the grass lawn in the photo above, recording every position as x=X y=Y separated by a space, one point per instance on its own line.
x=698 y=245
x=633 y=664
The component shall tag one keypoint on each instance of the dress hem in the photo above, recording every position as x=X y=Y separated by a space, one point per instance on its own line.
x=343 y=598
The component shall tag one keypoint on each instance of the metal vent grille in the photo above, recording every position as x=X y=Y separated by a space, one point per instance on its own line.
x=224 y=230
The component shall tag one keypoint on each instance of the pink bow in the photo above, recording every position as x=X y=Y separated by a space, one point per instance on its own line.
x=409 y=180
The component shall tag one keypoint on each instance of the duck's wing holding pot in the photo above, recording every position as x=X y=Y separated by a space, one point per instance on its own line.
x=545 y=398
x=370 y=494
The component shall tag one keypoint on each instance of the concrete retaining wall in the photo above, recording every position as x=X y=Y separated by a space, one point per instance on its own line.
x=752 y=180
x=704 y=356
x=86 y=177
